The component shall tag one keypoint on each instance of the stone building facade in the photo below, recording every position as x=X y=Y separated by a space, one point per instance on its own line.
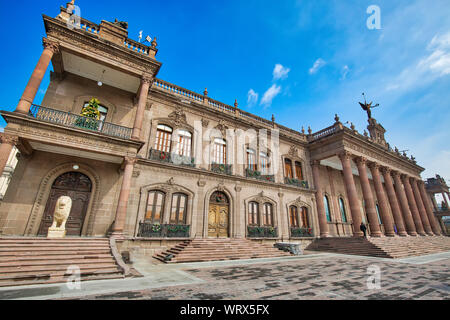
x=165 y=163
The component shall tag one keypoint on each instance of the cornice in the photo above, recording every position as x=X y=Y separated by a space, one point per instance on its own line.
x=67 y=38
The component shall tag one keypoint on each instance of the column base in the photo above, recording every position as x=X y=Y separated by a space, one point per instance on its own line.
x=423 y=234
x=118 y=235
x=403 y=234
x=413 y=234
x=325 y=235
x=430 y=233
x=376 y=235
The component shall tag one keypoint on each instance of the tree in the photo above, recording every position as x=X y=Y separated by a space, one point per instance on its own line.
x=89 y=115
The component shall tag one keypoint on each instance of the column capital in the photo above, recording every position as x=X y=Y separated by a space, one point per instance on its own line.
x=9 y=139
x=360 y=161
x=386 y=170
x=129 y=160
x=51 y=45
x=345 y=155
x=315 y=162
x=374 y=165
x=395 y=173
x=405 y=177
x=147 y=79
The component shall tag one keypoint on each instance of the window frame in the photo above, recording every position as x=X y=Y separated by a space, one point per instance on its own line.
x=343 y=210
x=219 y=156
x=163 y=139
x=296 y=224
x=326 y=202
x=178 y=197
x=252 y=215
x=268 y=216
x=151 y=219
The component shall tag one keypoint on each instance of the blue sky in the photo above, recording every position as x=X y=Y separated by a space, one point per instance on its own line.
x=302 y=61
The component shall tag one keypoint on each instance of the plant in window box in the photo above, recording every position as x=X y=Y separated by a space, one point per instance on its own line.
x=271 y=231
x=180 y=231
x=90 y=115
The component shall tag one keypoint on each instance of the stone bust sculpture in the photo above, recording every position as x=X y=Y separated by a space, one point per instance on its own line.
x=61 y=214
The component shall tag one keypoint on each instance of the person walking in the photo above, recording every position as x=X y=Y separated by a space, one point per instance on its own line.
x=363 y=228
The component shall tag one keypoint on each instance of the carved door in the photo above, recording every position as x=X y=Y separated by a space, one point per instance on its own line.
x=218 y=216
x=78 y=187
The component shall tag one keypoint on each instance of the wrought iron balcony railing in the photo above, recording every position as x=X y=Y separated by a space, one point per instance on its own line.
x=153 y=230
x=262 y=232
x=296 y=182
x=221 y=168
x=301 y=232
x=171 y=158
x=257 y=175
x=71 y=120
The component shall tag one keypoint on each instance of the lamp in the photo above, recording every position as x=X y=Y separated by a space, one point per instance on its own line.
x=100 y=83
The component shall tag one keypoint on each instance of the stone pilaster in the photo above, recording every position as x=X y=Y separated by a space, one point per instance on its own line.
x=382 y=201
x=421 y=207
x=50 y=48
x=413 y=206
x=431 y=217
x=7 y=144
x=143 y=95
x=323 y=224
x=403 y=201
x=122 y=206
x=351 y=192
x=393 y=201
x=369 y=202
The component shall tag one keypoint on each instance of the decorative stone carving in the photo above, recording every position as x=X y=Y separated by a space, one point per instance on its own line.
x=61 y=214
x=51 y=45
x=293 y=151
x=9 y=139
x=222 y=127
x=178 y=116
x=136 y=173
x=171 y=181
x=205 y=123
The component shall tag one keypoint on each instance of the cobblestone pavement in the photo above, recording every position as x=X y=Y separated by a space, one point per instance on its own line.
x=332 y=277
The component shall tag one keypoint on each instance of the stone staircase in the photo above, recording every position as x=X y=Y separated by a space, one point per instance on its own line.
x=384 y=247
x=201 y=250
x=27 y=261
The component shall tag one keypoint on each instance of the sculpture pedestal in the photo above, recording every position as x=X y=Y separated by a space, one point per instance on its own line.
x=56 y=233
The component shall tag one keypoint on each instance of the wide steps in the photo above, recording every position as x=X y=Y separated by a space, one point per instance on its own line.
x=200 y=250
x=25 y=261
x=390 y=247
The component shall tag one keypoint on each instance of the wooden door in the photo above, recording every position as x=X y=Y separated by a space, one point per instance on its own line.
x=218 y=221
x=78 y=187
x=218 y=215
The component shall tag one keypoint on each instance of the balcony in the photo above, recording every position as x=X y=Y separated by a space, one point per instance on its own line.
x=154 y=230
x=171 y=158
x=75 y=121
x=301 y=232
x=297 y=183
x=262 y=232
x=257 y=175
x=221 y=168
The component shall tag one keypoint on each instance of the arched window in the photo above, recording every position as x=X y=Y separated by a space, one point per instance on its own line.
x=178 y=209
x=251 y=159
x=342 y=208
x=253 y=214
x=327 y=208
x=268 y=214
x=155 y=206
x=220 y=151
x=299 y=170
x=378 y=213
x=184 y=145
x=304 y=216
x=163 y=138
x=265 y=163
x=293 y=216
x=288 y=168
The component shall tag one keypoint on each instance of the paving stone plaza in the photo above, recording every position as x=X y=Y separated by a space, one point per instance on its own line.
x=317 y=276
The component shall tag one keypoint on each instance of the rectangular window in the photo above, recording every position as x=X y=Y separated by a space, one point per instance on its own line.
x=299 y=171
x=220 y=151
x=163 y=138
x=265 y=165
x=288 y=168
x=155 y=207
x=268 y=214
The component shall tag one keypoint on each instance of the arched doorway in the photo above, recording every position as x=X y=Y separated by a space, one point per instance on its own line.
x=218 y=215
x=78 y=187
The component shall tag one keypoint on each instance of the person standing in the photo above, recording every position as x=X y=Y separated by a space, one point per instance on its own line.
x=363 y=228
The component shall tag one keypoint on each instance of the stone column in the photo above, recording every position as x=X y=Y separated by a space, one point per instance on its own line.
x=371 y=211
x=413 y=205
x=395 y=207
x=382 y=201
x=50 y=48
x=445 y=199
x=8 y=142
x=403 y=201
x=323 y=224
x=239 y=227
x=351 y=193
x=421 y=207
x=429 y=209
x=121 y=211
x=143 y=95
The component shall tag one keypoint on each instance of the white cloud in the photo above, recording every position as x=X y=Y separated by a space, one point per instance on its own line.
x=344 y=72
x=269 y=95
x=280 y=72
x=317 y=65
x=252 y=98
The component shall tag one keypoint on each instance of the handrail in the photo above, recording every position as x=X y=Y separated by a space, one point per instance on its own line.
x=68 y=119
